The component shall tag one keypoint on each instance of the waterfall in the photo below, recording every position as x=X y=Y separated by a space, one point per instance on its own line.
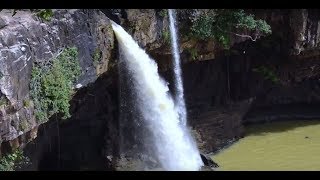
x=172 y=143
x=179 y=97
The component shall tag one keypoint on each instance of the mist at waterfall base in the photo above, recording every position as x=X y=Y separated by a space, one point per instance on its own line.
x=178 y=84
x=161 y=135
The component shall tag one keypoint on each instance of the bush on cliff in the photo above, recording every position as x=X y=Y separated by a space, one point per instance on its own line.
x=51 y=84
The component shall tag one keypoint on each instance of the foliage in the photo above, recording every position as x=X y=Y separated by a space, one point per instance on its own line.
x=45 y=14
x=202 y=28
x=163 y=13
x=96 y=56
x=267 y=73
x=3 y=100
x=166 y=36
x=248 y=22
x=51 y=85
x=26 y=102
x=10 y=161
x=23 y=125
x=263 y=26
x=218 y=24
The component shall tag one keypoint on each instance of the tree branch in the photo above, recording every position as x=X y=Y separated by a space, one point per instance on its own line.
x=240 y=35
x=245 y=36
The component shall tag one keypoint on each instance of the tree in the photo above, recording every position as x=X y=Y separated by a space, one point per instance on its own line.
x=219 y=24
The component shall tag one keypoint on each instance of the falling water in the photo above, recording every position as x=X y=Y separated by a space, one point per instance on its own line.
x=174 y=147
x=179 y=97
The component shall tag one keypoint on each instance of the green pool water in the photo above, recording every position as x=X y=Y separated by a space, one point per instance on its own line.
x=291 y=145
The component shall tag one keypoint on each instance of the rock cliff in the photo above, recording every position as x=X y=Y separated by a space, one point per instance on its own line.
x=221 y=86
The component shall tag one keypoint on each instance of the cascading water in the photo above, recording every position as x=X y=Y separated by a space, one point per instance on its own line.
x=179 y=96
x=174 y=147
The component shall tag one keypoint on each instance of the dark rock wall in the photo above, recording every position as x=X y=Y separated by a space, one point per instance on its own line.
x=89 y=140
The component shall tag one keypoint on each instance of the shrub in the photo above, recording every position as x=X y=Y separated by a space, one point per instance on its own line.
x=96 y=56
x=10 y=161
x=3 y=100
x=218 y=24
x=51 y=85
x=23 y=125
x=163 y=13
x=166 y=36
x=202 y=28
x=45 y=14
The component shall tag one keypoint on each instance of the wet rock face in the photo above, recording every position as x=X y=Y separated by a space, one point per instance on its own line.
x=25 y=39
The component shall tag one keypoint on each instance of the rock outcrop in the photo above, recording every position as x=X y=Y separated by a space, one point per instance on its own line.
x=26 y=38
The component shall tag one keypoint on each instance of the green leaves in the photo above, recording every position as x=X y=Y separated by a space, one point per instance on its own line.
x=218 y=24
x=247 y=22
x=97 y=56
x=263 y=26
x=9 y=162
x=166 y=36
x=202 y=28
x=51 y=87
x=45 y=14
x=163 y=13
x=3 y=100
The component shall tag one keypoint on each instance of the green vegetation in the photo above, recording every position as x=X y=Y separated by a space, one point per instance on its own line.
x=51 y=84
x=11 y=161
x=26 y=102
x=202 y=28
x=97 y=56
x=45 y=14
x=166 y=36
x=163 y=13
x=267 y=73
x=219 y=24
x=3 y=101
x=23 y=125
